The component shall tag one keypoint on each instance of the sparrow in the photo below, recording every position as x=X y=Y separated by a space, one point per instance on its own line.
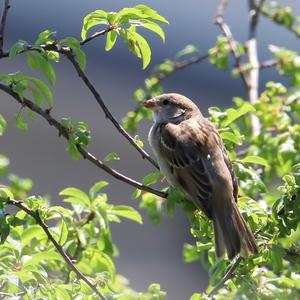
x=193 y=158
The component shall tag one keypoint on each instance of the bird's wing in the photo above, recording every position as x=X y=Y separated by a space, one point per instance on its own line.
x=233 y=177
x=189 y=148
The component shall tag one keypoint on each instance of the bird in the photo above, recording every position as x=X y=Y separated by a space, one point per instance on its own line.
x=192 y=157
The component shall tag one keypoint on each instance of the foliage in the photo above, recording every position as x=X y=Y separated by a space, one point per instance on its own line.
x=32 y=266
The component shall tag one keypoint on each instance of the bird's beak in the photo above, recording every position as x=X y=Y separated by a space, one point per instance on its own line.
x=151 y=104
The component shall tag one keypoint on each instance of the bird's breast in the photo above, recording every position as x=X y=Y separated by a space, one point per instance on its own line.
x=154 y=142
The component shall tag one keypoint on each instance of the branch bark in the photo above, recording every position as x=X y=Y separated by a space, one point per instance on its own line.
x=58 y=247
x=219 y=20
x=253 y=75
x=106 y=111
x=228 y=275
x=5 y=9
x=68 y=53
x=95 y=35
x=84 y=153
x=253 y=79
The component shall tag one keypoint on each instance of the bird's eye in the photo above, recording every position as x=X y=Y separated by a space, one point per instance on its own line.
x=166 y=102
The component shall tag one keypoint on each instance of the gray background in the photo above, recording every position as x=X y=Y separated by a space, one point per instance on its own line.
x=149 y=253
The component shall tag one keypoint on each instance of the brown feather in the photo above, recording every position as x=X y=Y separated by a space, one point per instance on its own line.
x=197 y=163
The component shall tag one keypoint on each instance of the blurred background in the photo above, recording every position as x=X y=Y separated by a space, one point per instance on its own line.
x=148 y=253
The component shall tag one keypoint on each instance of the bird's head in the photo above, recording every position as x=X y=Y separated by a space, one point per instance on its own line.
x=172 y=108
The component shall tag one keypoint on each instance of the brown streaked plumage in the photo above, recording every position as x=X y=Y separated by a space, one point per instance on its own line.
x=192 y=156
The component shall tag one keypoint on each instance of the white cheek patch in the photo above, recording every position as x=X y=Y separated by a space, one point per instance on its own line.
x=179 y=112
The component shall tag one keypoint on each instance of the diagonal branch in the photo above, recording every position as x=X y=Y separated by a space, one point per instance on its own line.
x=3 y=22
x=180 y=65
x=96 y=34
x=219 y=20
x=271 y=16
x=84 y=153
x=58 y=247
x=106 y=111
x=228 y=275
x=68 y=53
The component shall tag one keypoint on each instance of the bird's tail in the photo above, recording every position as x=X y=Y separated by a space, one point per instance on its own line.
x=232 y=233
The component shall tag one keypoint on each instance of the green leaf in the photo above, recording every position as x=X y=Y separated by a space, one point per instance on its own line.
x=33 y=60
x=74 y=44
x=112 y=156
x=128 y=15
x=255 y=160
x=4 y=163
x=127 y=212
x=136 y=194
x=152 y=178
x=155 y=28
x=197 y=296
x=227 y=135
x=3 y=125
x=144 y=48
x=34 y=231
x=37 y=60
x=76 y=193
x=96 y=17
x=17 y=48
x=151 y=13
x=48 y=71
x=190 y=253
x=36 y=96
x=187 y=50
x=20 y=123
x=43 y=88
x=277 y=254
x=233 y=114
x=73 y=150
x=44 y=37
x=111 y=38
x=63 y=232
x=5 y=192
x=49 y=255
x=96 y=188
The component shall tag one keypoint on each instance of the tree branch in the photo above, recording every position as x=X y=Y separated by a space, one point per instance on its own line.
x=228 y=275
x=219 y=20
x=5 y=9
x=269 y=64
x=253 y=75
x=96 y=34
x=106 y=111
x=85 y=154
x=254 y=16
x=58 y=247
x=269 y=15
x=68 y=53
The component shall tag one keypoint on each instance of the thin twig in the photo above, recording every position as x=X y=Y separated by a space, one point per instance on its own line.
x=5 y=9
x=106 y=111
x=180 y=65
x=3 y=294
x=219 y=20
x=269 y=15
x=58 y=247
x=95 y=35
x=68 y=53
x=84 y=153
x=228 y=275
x=254 y=16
